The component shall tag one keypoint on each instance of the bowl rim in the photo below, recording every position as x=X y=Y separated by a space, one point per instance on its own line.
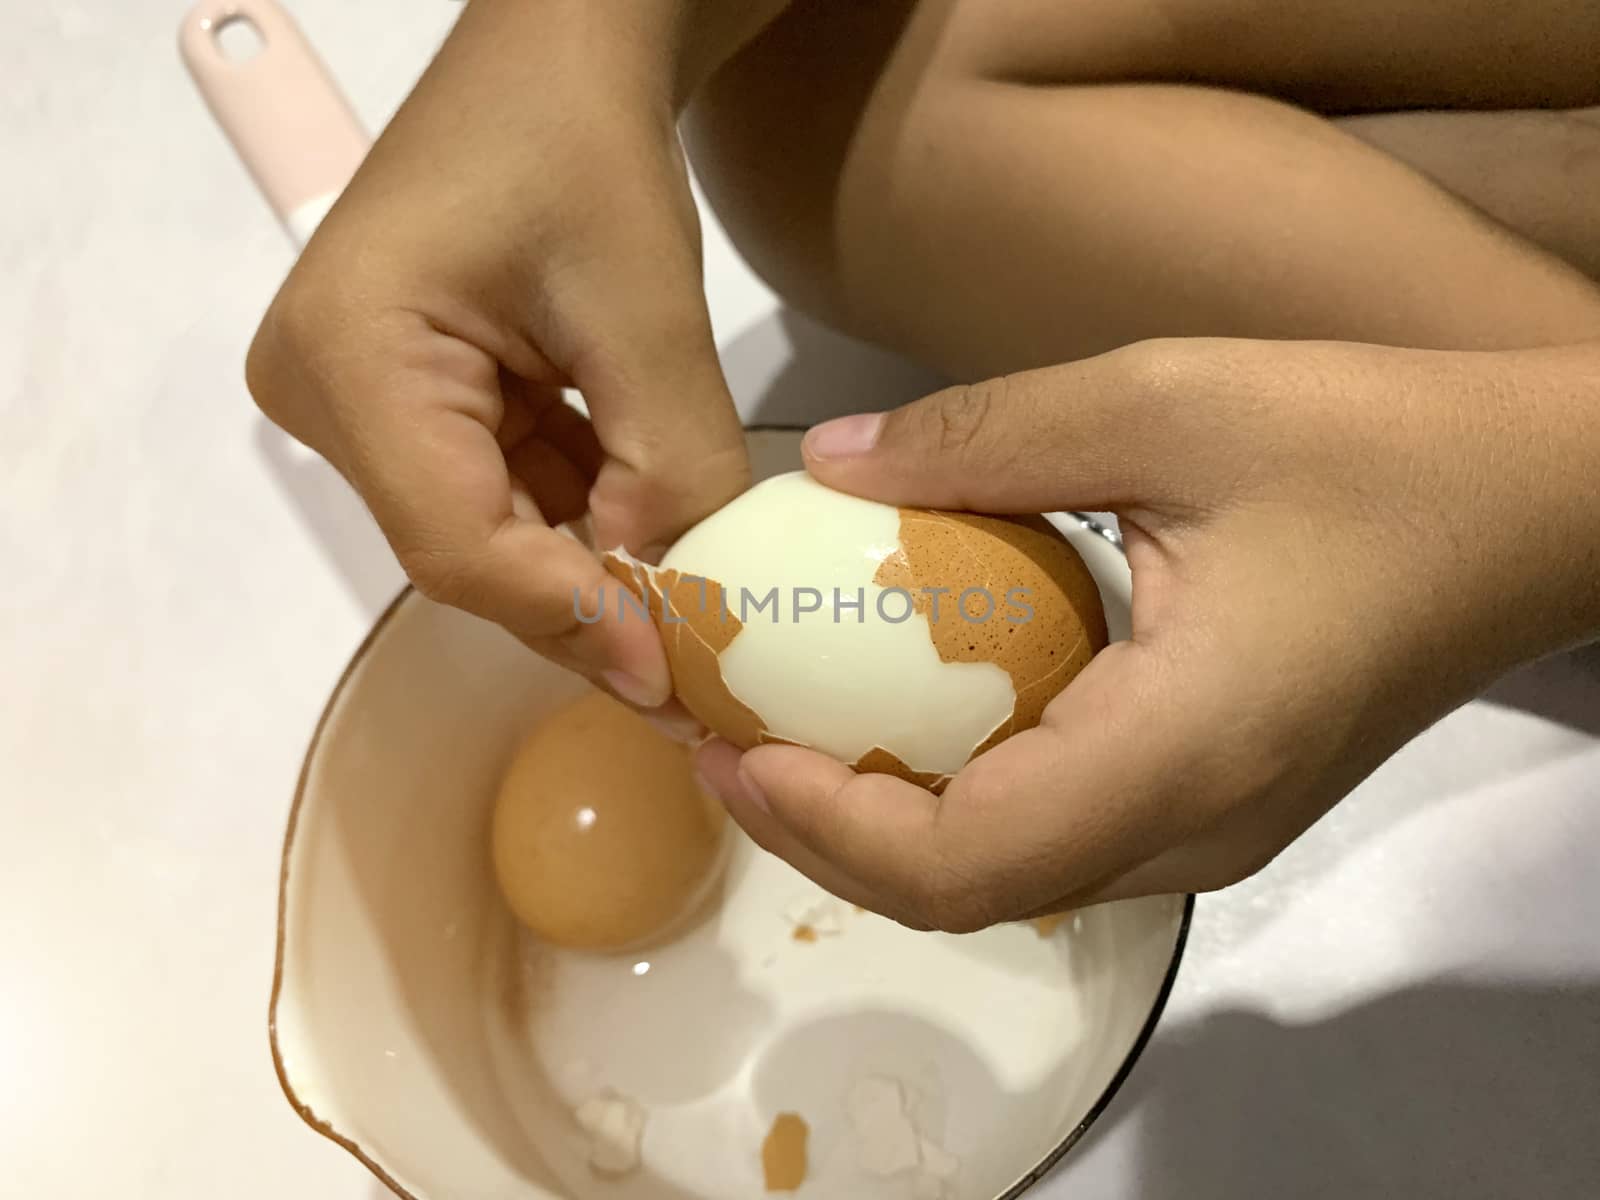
x=326 y=1128
x=302 y=1109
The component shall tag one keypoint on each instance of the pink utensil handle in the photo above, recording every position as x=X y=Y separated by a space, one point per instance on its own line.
x=281 y=109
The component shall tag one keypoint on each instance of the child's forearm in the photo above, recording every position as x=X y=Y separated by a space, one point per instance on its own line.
x=670 y=46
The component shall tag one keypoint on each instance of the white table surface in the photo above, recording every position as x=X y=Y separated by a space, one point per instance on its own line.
x=1406 y=1004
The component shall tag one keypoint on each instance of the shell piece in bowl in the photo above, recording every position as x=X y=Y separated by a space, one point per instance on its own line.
x=415 y=1024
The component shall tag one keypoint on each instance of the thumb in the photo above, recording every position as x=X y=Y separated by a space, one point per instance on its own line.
x=1109 y=432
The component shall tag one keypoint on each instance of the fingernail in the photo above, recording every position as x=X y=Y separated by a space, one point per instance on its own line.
x=845 y=437
x=686 y=731
x=634 y=691
x=753 y=792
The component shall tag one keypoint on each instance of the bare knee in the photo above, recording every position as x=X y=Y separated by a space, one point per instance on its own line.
x=1533 y=172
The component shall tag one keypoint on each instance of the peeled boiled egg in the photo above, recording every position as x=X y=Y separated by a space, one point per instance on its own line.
x=898 y=640
x=601 y=838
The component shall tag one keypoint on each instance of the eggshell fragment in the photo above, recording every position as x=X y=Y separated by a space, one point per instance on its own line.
x=959 y=552
x=695 y=629
x=888 y=1142
x=886 y=1139
x=813 y=917
x=1047 y=925
x=879 y=761
x=783 y=1153
x=615 y=1125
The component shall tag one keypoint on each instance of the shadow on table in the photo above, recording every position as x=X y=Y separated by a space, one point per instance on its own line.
x=335 y=517
x=1453 y=1090
x=787 y=369
x=1564 y=689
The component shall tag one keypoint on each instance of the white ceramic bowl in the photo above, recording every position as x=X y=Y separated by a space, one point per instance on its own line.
x=412 y=1022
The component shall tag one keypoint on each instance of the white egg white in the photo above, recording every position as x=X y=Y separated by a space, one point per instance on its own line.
x=844 y=679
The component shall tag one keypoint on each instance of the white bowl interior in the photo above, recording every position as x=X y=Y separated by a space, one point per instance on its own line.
x=413 y=1022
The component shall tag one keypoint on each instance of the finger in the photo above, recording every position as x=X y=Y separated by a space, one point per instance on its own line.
x=553 y=482
x=1106 y=433
x=677 y=722
x=1095 y=790
x=419 y=444
x=1169 y=874
x=570 y=431
x=675 y=449
x=718 y=765
x=1131 y=885
x=524 y=405
x=550 y=447
x=652 y=496
x=1164 y=875
x=1106 y=890
x=542 y=409
x=833 y=824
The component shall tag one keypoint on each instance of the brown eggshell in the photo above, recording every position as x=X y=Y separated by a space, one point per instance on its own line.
x=784 y=1160
x=958 y=551
x=879 y=761
x=688 y=613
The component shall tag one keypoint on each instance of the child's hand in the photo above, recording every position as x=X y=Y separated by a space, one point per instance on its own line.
x=524 y=224
x=1332 y=546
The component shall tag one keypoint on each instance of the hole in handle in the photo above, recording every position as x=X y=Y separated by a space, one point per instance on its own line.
x=238 y=38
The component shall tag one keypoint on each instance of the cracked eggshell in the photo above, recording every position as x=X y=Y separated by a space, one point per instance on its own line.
x=615 y=1125
x=688 y=613
x=901 y=641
